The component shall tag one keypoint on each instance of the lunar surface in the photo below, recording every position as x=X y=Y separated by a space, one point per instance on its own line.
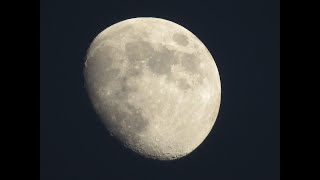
x=154 y=85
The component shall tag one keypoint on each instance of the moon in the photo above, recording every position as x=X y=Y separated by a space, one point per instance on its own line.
x=154 y=85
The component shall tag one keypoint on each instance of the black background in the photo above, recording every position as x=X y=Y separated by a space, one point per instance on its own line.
x=244 y=144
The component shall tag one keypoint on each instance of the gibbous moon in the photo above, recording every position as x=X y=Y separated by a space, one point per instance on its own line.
x=154 y=85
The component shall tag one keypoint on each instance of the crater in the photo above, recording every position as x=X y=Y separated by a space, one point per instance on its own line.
x=180 y=39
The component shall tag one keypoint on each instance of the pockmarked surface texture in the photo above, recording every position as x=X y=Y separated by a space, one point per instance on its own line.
x=155 y=86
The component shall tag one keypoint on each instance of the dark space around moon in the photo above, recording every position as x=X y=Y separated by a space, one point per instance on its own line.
x=243 y=37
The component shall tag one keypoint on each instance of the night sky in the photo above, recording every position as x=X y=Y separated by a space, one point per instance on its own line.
x=242 y=36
